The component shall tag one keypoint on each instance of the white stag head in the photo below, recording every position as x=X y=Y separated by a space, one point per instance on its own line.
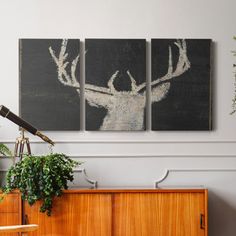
x=125 y=109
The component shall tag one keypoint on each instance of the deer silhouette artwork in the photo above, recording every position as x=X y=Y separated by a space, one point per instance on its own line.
x=125 y=109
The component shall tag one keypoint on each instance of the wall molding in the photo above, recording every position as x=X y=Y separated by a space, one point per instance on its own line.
x=109 y=141
x=147 y=156
x=153 y=156
x=94 y=183
x=168 y=171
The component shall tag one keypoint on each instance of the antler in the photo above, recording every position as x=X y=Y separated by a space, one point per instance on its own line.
x=133 y=82
x=70 y=80
x=111 y=81
x=182 y=66
x=64 y=78
x=113 y=77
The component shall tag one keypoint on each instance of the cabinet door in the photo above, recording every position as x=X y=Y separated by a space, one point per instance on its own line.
x=159 y=214
x=10 y=211
x=73 y=215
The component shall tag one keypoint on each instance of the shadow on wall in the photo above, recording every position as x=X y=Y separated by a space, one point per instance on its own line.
x=221 y=223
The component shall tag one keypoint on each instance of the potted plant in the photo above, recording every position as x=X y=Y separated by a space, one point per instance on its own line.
x=41 y=178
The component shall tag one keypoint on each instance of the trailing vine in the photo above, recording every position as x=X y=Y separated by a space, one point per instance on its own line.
x=234 y=73
x=4 y=150
x=41 y=178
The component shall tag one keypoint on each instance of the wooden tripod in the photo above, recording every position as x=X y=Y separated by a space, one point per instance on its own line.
x=21 y=143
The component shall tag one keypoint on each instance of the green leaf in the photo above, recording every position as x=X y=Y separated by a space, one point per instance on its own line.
x=4 y=150
x=41 y=178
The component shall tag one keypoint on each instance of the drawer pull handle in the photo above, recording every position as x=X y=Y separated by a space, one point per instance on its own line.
x=26 y=220
x=202 y=221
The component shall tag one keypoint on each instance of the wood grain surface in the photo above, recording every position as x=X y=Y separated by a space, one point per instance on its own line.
x=123 y=212
x=74 y=214
x=163 y=214
x=10 y=212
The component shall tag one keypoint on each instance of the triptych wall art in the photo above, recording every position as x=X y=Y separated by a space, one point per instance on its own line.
x=181 y=85
x=116 y=91
x=49 y=83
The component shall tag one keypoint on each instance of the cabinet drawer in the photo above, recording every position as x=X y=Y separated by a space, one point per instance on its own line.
x=10 y=203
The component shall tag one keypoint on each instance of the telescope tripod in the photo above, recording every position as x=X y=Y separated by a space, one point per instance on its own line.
x=20 y=144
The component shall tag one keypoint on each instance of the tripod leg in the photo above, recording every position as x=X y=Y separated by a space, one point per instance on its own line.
x=16 y=151
x=22 y=144
x=28 y=147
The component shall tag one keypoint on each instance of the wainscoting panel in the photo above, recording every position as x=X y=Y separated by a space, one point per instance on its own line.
x=138 y=149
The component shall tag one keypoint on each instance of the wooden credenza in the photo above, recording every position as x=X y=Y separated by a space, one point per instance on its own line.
x=10 y=211
x=124 y=212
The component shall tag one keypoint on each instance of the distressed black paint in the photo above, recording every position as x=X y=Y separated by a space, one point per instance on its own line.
x=187 y=105
x=103 y=58
x=44 y=101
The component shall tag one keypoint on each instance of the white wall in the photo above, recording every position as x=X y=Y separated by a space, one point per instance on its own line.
x=137 y=158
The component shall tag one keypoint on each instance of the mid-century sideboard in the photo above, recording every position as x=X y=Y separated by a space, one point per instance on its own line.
x=115 y=212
